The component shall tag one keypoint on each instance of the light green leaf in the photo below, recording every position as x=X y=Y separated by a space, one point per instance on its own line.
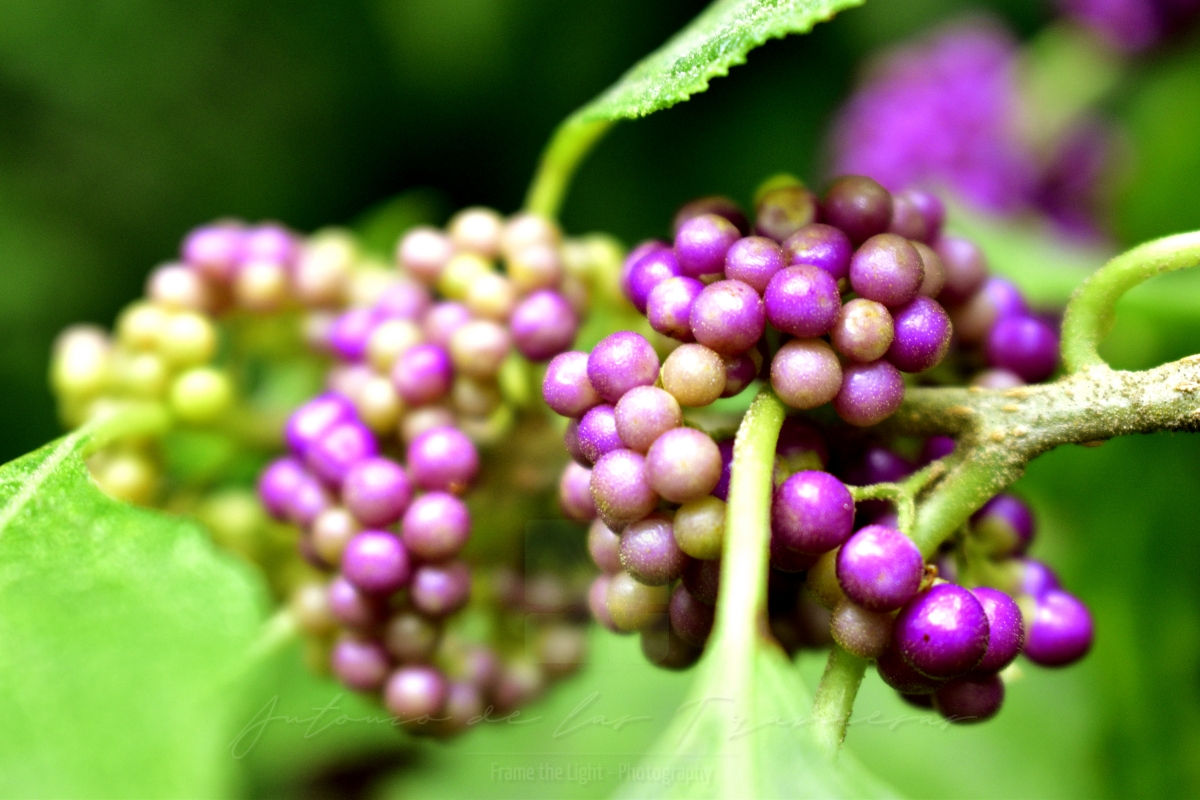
x=718 y=39
x=123 y=634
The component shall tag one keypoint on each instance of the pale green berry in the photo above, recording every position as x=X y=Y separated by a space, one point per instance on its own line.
x=201 y=395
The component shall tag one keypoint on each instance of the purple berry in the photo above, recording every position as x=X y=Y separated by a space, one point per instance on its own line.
x=863 y=331
x=943 y=632
x=598 y=433
x=1024 y=345
x=887 y=269
x=936 y=447
x=1004 y=296
x=859 y=206
x=575 y=493
x=271 y=243
x=214 y=250
x=803 y=301
x=437 y=590
x=683 y=464
x=1006 y=629
x=740 y=372
x=879 y=568
x=308 y=422
x=821 y=246
x=702 y=243
x=805 y=373
x=721 y=490
x=604 y=546
x=713 y=204
x=543 y=325
x=376 y=562
x=1037 y=578
x=353 y=608
x=442 y=320
x=422 y=374
x=621 y=489
x=650 y=271
x=415 y=692
x=728 y=317
x=975 y=698
x=436 y=526
x=566 y=387
x=900 y=675
x=754 y=261
x=279 y=483
x=690 y=619
x=931 y=209
x=644 y=414
x=598 y=602
x=635 y=255
x=922 y=335
x=332 y=455
x=1007 y=522
x=443 y=459
x=812 y=512
x=785 y=559
x=571 y=442
x=1060 y=631
x=307 y=501
x=669 y=307
x=649 y=553
x=350 y=332
x=376 y=491
x=869 y=393
x=620 y=362
x=360 y=664
x=703 y=580
x=966 y=268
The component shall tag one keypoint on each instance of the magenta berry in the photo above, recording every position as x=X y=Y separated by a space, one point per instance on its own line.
x=376 y=562
x=943 y=632
x=1006 y=629
x=812 y=512
x=879 y=568
x=422 y=374
x=647 y=273
x=543 y=325
x=887 y=269
x=437 y=590
x=669 y=307
x=857 y=205
x=821 y=246
x=335 y=452
x=415 y=692
x=754 y=261
x=621 y=489
x=598 y=433
x=974 y=698
x=701 y=244
x=566 y=387
x=803 y=301
x=376 y=491
x=620 y=362
x=728 y=316
x=311 y=420
x=644 y=414
x=869 y=393
x=575 y=493
x=922 y=335
x=649 y=553
x=436 y=526
x=361 y=664
x=443 y=459
x=1024 y=345
x=1060 y=631
x=683 y=464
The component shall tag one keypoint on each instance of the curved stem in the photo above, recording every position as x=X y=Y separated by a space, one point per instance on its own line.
x=569 y=145
x=1090 y=312
x=834 y=703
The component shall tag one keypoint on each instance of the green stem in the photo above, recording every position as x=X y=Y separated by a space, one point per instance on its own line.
x=569 y=145
x=1090 y=313
x=742 y=609
x=834 y=702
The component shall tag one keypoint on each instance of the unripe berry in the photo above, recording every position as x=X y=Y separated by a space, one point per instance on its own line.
x=491 y=296
x=805 y=373
x=461 y=272
x=604 y=546
x=127 y=475
x=332 y=530
x=411 y=638
x=634 y=606
x=201 y=395
x=934 y=269
x=389 y=340
x=683 y=464
x=141 y=374
x=177 y=288
x=479 y=348
x=188 y=339
x=863 y=633
x=712 y=204
x=690 y=619
x=321 y=273
x=536 y=267
x=699 y=528
x=863 y=331
x=309 y=604
x=378 y=405
x=782 y=211
x=858 y=205
x=423 y=253
x=140 y=326
x=261 y=286
x=525 y=229
x=477 y=229
x=694 y=375
x=644 y=414
x=82 y=356
x=887 y=269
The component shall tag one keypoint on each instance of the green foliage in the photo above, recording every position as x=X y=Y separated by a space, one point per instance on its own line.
x=123 y=634
x=718 y=39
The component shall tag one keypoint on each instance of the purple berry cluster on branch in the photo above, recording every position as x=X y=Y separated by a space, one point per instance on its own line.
x=831 y=301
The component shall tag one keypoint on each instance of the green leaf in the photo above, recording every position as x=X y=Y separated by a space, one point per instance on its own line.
x=123 y=635
x=713 y=42
x=718 y=39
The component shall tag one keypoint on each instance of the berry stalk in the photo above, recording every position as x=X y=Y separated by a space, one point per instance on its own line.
x=834 y=701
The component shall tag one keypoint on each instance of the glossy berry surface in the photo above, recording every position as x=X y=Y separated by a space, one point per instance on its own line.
x=880 y=568
x=1060 y=630
x=1006 y=629
x=943 y=632
x=728 y=316
x=971 y=699
x=812 y=512
x=803 y=301
x=620 y=362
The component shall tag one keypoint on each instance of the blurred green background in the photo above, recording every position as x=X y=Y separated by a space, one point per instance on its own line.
x=122 y=125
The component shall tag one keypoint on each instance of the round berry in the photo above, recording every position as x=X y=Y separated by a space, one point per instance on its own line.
x=943 y=632
x=644 y=414
x=1024 y=345
x=805 y=373
x=543 y=325
x=782 y=211
x=754 y=261
x=436 y=526
x=478 y=348
x=869 y=393
x=314 y=418
x=339 y=449
x=713 y=204
x=974 y=698
x=887 y=269
x=1037 y=578
x=1006 y=522
x=934 y=269
x=442 y=320
x=649 y=553
x=721 y=490
x=859 y=206
x=566 y=387
x=354 y=608
x=740 y=372
x=700 y=527
x=571 y=442
x=936 y=447
x=965 y=265
x=422 y=374
x=694 y=375
x=278 y=484
x=690 y=619
x=351 y=331
x=784 y=559
x=634 y=606
x=863 y=330
x=648 y=272
x=1006 y=629
x=360 y=664
x=930 y=209
x=863 y=633
x=703 y=580
x=214 y=250
x=442 y=459
x=635 y=255
x=598 y=433
x=621 y=489
x=683 y=464
x=728 y=316
x=880 y=568
x=376 y=562
x=307 y=502
x=669 y=307
x=410 y=637
x=701 y=244
x=437 y=590
x=803 y=301
x=900 y=675
x=597 y=600
x=604 y=546
x=423 y=251
x=812 y=512
x=575 y=493
x=415 y=692
x=821 y=246
x=620 y=362
x=1060 y=631
x=922 y=335
x=377 y=491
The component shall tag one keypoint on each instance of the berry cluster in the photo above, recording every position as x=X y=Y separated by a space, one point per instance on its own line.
x=830 y=301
